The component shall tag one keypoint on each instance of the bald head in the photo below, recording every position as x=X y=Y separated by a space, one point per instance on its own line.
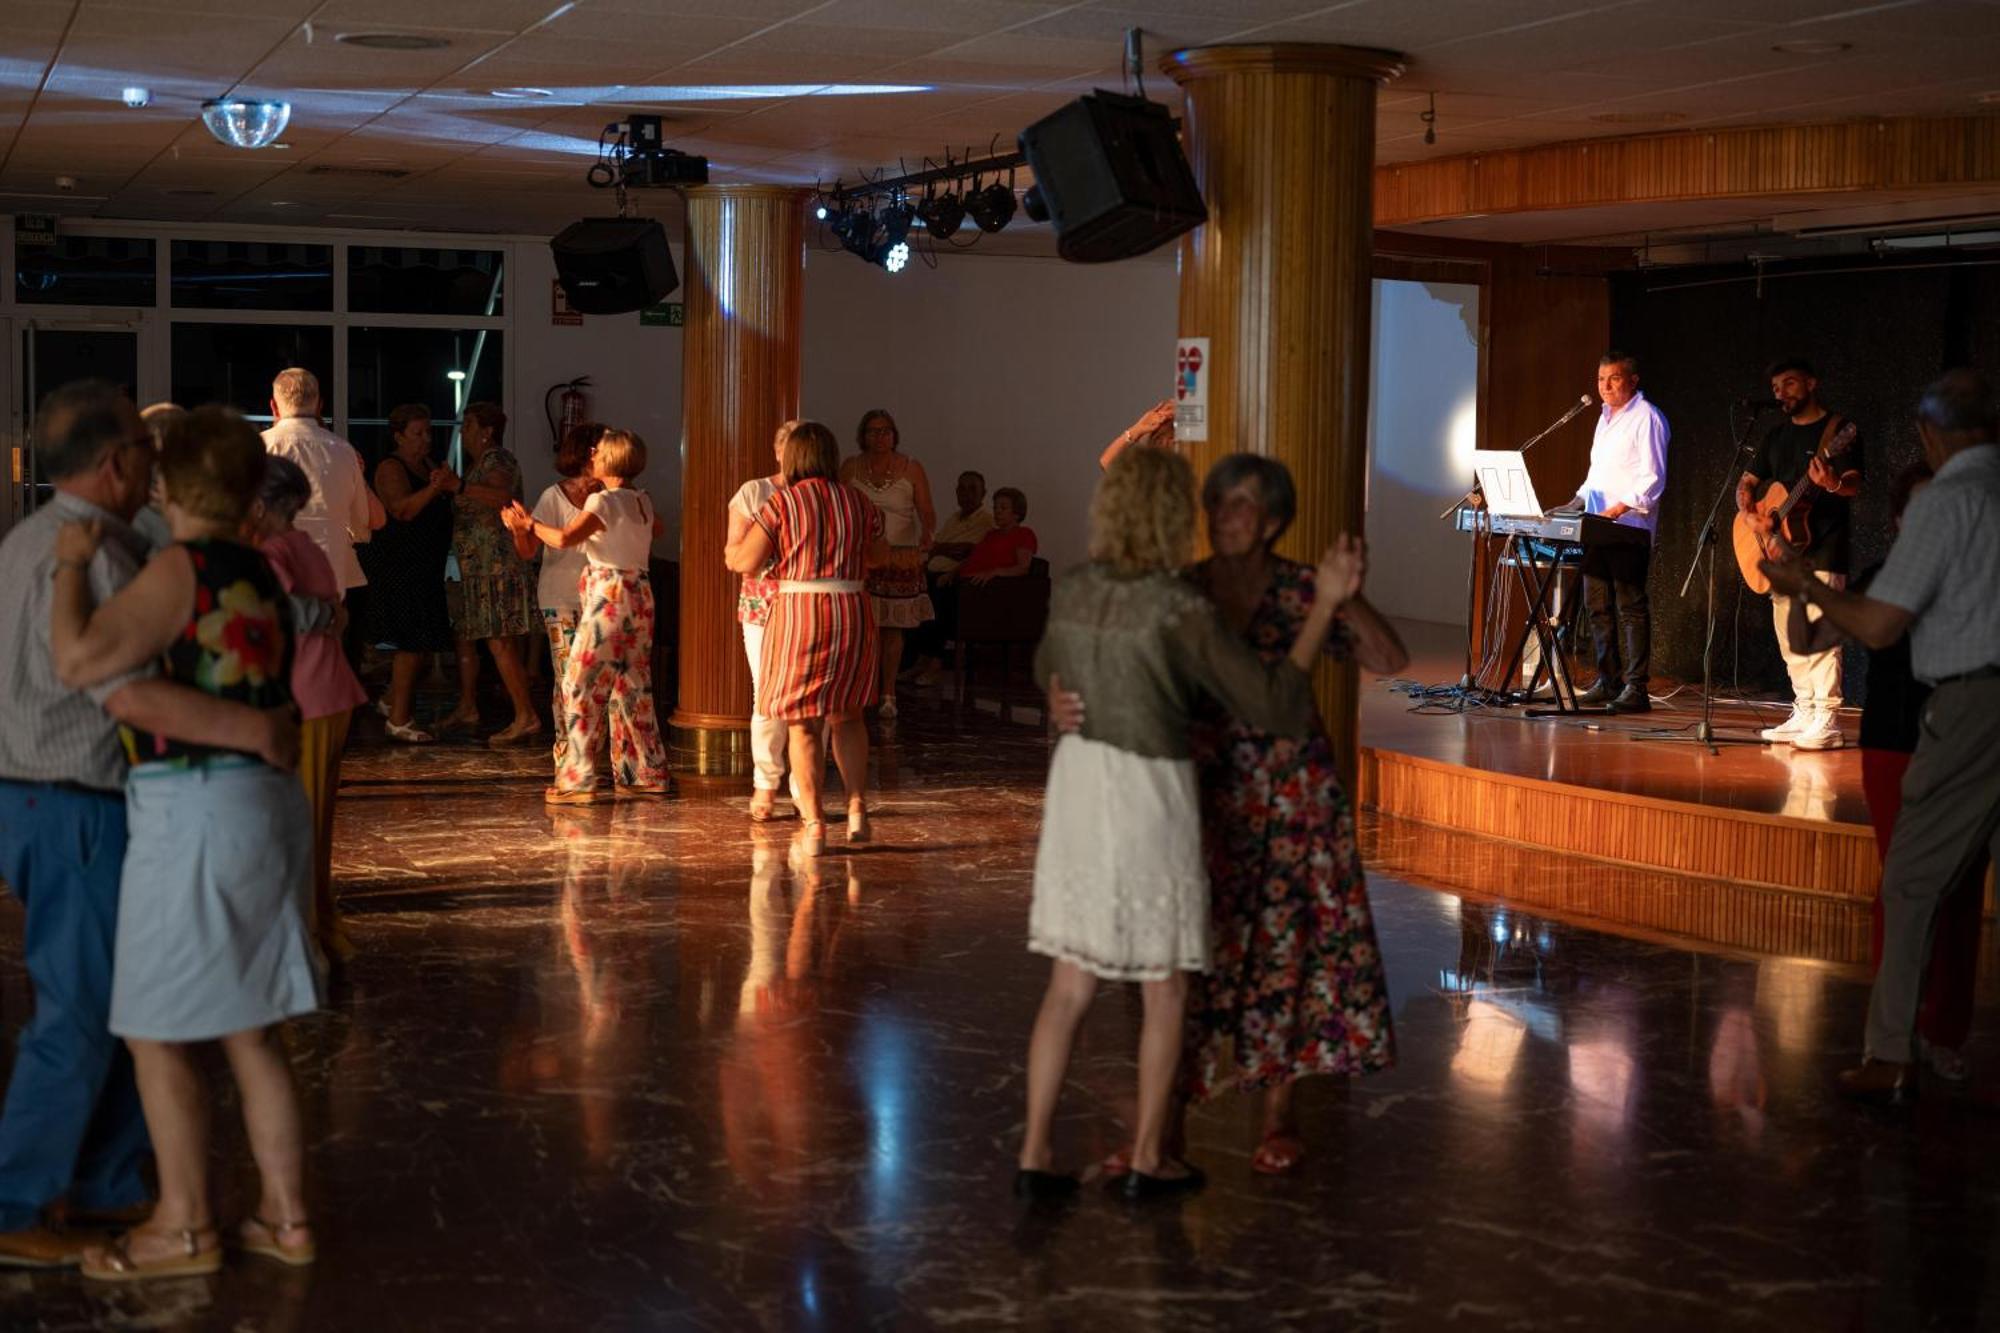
x=295 y=393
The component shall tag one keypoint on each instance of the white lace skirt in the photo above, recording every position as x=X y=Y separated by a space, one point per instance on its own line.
x=1120 y=888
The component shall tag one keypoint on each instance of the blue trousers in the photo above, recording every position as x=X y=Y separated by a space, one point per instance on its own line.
x=72 y=1126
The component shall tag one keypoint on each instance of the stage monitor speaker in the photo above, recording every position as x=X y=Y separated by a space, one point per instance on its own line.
x=610 y=265
x=1110 y=174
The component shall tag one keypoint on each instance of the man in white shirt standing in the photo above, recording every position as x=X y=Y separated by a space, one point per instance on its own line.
x=343 y=511
x=1628 y=470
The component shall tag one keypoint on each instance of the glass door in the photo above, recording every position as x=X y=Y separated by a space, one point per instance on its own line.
x=53 y=354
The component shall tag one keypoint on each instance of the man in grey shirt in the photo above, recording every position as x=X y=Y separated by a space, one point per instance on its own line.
x=1937 y=585
x=71 y=1129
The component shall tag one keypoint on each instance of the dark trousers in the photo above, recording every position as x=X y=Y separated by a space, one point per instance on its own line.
x=1621 y=620
x=930 y=638
x=72 y=1126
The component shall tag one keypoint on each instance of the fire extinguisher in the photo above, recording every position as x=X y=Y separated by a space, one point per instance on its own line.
x=572 y=409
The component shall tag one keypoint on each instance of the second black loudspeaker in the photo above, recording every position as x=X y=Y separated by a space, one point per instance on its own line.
x=610 y=265
x=1111 y=176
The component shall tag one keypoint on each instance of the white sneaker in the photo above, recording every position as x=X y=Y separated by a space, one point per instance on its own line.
x=1946 y=1063
x=1821 y=732
x=1790 y=727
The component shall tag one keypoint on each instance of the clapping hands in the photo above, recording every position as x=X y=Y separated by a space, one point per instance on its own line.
x=517 y=518
x=1341 y=569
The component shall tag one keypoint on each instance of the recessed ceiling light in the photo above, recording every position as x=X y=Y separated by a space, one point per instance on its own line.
x=393 y=41
x=519 y=94
x=136 y=97
x=1812 y=48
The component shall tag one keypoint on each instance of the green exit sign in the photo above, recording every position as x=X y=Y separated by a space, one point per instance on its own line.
x=668 y=314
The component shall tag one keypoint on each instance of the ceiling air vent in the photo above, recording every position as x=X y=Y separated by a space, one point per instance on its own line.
x=359 y=173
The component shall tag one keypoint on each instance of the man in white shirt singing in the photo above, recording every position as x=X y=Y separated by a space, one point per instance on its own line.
x=1628 y=470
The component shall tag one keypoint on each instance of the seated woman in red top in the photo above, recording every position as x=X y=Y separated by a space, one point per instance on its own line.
x=1008 y=551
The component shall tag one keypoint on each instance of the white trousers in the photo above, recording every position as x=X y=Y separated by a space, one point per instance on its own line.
x=1815 y=676
x=767 y=735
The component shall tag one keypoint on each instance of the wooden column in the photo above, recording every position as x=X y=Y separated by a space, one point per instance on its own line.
x=744 y=291
x=1282 y=140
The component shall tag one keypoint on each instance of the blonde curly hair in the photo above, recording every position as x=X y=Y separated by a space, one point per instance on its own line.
x=1142 y=517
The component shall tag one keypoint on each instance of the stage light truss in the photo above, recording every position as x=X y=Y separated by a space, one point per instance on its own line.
x=873 y=218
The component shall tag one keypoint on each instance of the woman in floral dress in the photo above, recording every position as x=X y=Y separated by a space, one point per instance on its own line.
x=1295 y=986
x=497 y=594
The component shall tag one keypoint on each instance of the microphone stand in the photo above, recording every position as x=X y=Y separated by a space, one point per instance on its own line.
x=1472 y=563
x=1705 y=545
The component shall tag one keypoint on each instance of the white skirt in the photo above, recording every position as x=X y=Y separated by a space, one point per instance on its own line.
x=1120 y=887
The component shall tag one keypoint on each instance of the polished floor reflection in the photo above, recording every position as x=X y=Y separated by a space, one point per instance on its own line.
x=639 y=1067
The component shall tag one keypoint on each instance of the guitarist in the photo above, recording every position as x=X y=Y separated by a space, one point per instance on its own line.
x=1790 y=455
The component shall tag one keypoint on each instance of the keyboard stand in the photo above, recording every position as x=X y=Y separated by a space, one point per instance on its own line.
x=1537 y=590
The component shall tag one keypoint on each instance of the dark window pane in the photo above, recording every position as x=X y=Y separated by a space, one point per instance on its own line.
x=234 y=363
x=409 y=280
x=389 y=367
x=251 y=275
x=86 y=270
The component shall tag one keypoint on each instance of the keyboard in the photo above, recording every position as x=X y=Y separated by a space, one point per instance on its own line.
x=1571 y=529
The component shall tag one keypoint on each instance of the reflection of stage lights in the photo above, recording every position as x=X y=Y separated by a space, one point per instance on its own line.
x=1488 y=1046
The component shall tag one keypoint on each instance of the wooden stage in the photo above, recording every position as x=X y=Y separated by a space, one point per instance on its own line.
x=1755 y=814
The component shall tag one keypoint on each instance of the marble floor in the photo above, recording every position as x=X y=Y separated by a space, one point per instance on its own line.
x=635 y=1067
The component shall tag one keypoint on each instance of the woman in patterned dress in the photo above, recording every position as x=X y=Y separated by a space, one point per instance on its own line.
x=497 y=601
x=1295 y=987
x=820 y=649
x=902 y=492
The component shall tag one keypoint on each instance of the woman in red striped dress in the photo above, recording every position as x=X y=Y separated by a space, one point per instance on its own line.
x=820 y=648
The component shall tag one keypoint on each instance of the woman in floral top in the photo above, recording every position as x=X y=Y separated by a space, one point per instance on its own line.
x=497 y=595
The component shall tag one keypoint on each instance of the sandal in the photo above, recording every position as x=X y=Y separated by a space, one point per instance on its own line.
x=267 y=1240
x=1279 y=1154
x=114 y=1261
x=888 y=710
x=558 y=796
x=644 y=788
x=859 y=830
x=814 y=839
x=763 y=806
x=518 y=730
x=410 y=733
x=458 y=720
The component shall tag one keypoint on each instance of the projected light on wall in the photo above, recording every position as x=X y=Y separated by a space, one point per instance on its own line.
x=1463 y=434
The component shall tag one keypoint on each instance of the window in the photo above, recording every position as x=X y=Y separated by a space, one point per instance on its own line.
x=408 y=280
x=86 y=270
x=390 y=366
x=234 y=363
x=251 y=275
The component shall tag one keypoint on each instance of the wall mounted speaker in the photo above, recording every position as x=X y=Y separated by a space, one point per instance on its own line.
x=1111 y=176
x=611 y=265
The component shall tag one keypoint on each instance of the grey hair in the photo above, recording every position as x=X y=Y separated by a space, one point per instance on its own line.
x=1960 y=401
x=77 y=424
x=1276 y=494
x=285 y=489
x=295 y=388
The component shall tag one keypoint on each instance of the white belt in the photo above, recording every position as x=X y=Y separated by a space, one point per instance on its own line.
x=821 y=585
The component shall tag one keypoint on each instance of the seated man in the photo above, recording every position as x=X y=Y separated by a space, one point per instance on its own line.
x=957 y=535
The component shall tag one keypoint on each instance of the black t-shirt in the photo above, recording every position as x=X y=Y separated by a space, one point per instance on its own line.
x=1894 y=714
x=1783 y=458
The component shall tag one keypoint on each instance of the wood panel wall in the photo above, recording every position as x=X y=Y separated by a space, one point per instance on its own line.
x=1899 y=153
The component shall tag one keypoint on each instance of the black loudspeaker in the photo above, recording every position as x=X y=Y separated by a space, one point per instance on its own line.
x=611 y=265
x=1110 y=174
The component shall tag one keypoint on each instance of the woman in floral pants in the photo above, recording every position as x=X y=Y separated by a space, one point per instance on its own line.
x=609 y=676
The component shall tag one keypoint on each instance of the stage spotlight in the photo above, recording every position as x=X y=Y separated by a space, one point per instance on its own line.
x=855 y=229
x=820 y=210
x=943 y=214
x=895 y=222
x=898 y=257
x=993 y=207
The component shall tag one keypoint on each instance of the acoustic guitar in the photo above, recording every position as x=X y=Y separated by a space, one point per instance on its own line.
x=1790 y=516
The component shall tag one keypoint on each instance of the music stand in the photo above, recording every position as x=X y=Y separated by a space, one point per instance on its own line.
x=1704 y=546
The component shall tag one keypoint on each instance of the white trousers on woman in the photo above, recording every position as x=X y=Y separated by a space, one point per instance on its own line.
x=767 y=735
